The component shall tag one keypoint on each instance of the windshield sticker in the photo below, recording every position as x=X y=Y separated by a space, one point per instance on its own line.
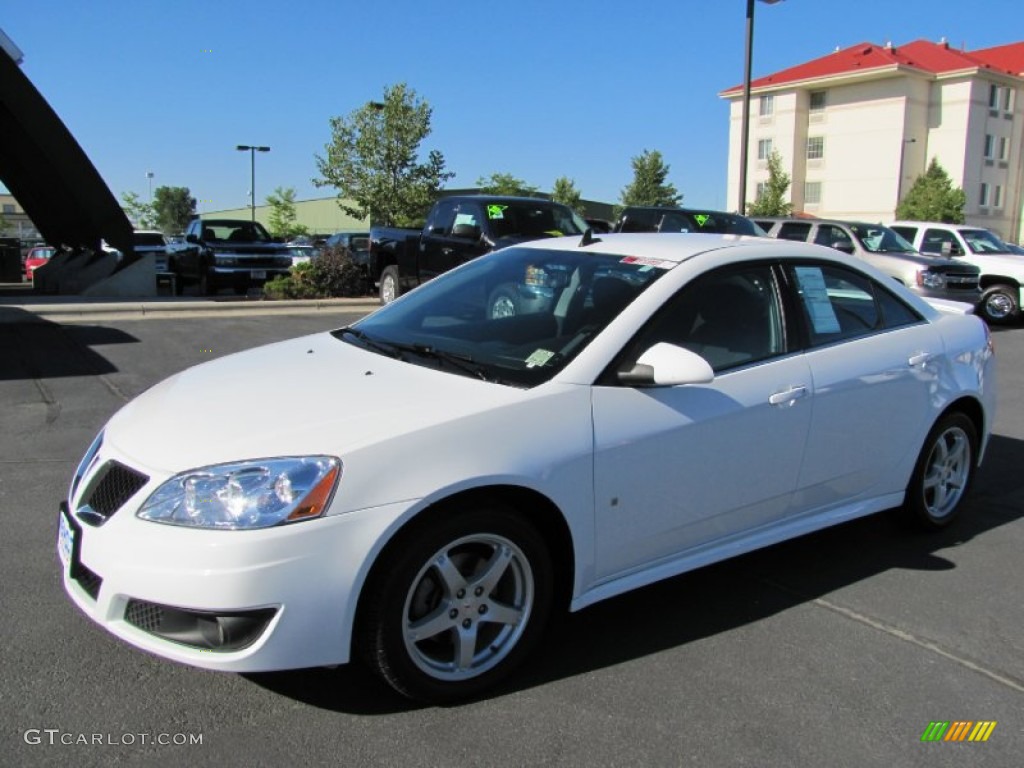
x=496 y=211
x=648 y=262
x=701 y=218
x=816 y=300
x=539 y=358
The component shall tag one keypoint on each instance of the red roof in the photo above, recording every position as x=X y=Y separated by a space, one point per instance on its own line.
x=935 y=58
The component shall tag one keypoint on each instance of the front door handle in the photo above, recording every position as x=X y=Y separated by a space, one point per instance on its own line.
x=447 y=251
x=788 y=396
x=920 y=359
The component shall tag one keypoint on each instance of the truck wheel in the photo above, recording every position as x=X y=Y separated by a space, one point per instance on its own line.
x=455 y=605
x=502 y=302
x=389 y=286
x=999 y=304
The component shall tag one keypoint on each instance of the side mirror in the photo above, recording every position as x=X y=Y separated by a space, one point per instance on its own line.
x=666 y=365
x=191 y=239
x=467 y=231
x=843 y=245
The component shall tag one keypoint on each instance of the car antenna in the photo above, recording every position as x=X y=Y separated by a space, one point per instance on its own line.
x=588 y=238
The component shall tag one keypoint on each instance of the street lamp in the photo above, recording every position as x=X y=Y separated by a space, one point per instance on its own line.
x=899 y=180
x=149 y=176
x=745 y=136
x=252 y=170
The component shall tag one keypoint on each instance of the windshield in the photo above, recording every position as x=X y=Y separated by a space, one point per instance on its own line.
x=983 y=241
x=879 y=239
x=235 y=231
x=516 y=316
x=521 y=219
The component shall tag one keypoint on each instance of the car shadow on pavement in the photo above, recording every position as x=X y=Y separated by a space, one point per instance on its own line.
x=33 y=348
x=711 y=600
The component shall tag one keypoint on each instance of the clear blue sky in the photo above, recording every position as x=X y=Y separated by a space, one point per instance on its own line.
x=535 y=88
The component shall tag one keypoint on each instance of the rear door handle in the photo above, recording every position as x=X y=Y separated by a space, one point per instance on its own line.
x=788 y=396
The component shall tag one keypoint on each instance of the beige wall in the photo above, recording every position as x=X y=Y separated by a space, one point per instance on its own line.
x=321 y=217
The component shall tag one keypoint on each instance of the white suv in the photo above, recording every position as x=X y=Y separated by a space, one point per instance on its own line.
x=1002 y=271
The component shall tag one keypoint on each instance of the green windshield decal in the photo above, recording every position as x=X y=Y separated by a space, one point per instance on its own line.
x=701 y=218
x=496 y=211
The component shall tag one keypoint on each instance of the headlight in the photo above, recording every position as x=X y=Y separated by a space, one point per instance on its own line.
x=249 y=494
x=931 y=279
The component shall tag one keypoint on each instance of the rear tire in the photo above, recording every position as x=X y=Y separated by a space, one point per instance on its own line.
x=943 y=472
x=390 y=288
x=456 y=603
x=1000 y=304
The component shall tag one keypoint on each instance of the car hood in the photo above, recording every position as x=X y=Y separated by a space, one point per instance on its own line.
x=46 y=170
x=311 y=395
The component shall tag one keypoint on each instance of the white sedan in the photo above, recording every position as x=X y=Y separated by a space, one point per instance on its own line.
x=643 y=406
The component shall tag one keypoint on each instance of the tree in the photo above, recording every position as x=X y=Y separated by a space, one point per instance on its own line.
x=772 y=201
x=649 y=186
x=506 y=184
x=933 y=198
x=372 y=160
x=139 y=213
x=565 y=192
x=174 y=207
x=283 y=218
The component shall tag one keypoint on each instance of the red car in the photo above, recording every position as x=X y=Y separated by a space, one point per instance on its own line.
x=36 y=257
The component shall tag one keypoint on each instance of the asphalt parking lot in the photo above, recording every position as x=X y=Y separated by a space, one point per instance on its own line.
x=835 y=649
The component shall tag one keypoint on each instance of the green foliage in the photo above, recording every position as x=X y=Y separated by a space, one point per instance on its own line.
x=332 y=274
x=933 y=198
x=772 y=202
x=174 y=207
x=372 y=160
x=142 y=215
x=565 y=192
x=506 y=184
x=649 y=186
x=283 y=218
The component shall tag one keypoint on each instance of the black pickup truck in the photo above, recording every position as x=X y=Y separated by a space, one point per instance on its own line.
x=460 y=228
x=227 y=253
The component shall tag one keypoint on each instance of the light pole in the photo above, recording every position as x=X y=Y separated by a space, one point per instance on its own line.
x=745 y=129
x=149 y=176
x=252 y=150
x=899 y=180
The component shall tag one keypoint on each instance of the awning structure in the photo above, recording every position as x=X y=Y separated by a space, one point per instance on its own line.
x=46 y=170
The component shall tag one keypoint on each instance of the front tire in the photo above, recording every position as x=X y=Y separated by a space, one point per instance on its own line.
x=1000 y=304
x=456 y=603
x=389 y=285
x=943 y=472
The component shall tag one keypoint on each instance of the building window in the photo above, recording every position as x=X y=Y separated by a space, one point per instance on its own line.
x=762 y=187
x=815 y=147
x=812 y=193
x=817 y=101
x=764 y=149
x=997 y=200
x=983 y=197
x=990 y=146
x=1008 y=99
x=1004 y=148
x=993 y=97
x=767 y=105
x=8 y=208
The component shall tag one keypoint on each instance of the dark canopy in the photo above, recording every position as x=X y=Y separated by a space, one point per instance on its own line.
x=48 y=173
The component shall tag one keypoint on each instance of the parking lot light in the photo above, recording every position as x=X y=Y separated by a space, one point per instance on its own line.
x=252 y=170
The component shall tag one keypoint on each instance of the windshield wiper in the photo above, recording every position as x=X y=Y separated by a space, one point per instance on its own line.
x=385 y=348
x=464 y=363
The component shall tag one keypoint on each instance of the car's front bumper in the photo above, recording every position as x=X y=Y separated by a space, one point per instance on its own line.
x=305 y=576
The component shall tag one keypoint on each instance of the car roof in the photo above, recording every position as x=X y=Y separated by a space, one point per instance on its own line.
x=667 y=246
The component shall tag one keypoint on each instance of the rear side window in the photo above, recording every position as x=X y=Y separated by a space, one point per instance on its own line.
x=838 y=304
x=794 y=230
x=907 y=233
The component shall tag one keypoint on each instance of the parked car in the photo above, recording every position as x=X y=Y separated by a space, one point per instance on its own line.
x=228 y=253
x=35 y=258
x=926 y=275
x=460 y=228
x=302 y=253
x=151 y=241
x=1002 y=271
x=655 y=219
x=449 y=479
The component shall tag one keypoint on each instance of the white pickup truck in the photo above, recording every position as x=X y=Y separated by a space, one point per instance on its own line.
x=1002 y=271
